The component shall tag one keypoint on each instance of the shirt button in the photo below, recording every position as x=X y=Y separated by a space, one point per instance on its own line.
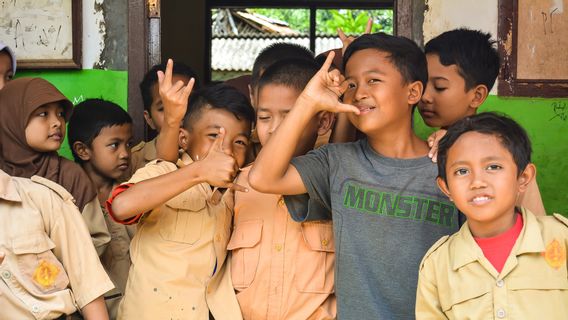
x=281 y=202
x=35 y=309
x=6 y=274
x=500 y=283
x=278 y=247
x=324 y=242
x=501 y=313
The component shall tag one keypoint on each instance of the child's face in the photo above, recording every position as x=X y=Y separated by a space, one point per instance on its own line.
x=155 y=118
x=274 y=103
x=6 y=72
x=377 y=88
x=445 y=100
x=482 y=180
x=46 y=128
x=197 y=141
x=109 y=153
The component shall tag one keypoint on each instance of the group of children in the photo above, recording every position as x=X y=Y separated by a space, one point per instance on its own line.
x=232 y=212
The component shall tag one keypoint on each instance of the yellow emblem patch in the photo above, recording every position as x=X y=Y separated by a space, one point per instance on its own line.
x=46 y=273
x=555 y=255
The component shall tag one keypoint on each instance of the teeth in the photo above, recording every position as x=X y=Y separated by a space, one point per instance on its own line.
x=480 y=199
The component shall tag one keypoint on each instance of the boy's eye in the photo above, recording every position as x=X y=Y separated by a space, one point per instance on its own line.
x=263 y=118
x=493 y=167
x=374 y=81
x=129 y=144
x=439 y=89
x=213 y=135
x=113 y=145
x=350 y=85
x=243 y=143
x=461 y=172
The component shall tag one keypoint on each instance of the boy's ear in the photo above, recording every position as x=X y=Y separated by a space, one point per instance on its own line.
x=149 y=120
x=444 y=187
x=82 y=151
x=415 y=91
x=251 y=97
x=325 y=122
x=526 y=177
x=480 y=93
x=183 y=138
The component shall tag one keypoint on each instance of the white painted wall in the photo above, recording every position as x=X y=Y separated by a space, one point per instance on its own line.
x=93 y=33
x=444 y=15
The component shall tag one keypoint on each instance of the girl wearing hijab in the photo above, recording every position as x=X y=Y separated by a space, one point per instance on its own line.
x=32 y=126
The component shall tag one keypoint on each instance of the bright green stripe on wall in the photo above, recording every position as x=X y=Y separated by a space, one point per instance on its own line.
x=84 y=84
x=546 y=121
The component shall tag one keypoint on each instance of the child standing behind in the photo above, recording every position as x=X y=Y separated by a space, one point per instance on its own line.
x=32 y=123
x=463 y=65
x=504 y=263
x=282 y=269
x=100 y=134
x=7 y=64
x=47 y=270
x=145 y=152
x=179 y=249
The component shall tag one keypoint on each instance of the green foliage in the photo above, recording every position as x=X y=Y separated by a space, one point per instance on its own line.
x=297 y=19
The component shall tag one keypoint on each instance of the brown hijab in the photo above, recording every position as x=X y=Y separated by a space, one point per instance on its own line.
x=18 y=100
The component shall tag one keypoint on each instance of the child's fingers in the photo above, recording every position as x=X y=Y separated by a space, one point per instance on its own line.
x=341 y=35
x=347 y=108
x=369 y=25
x=218 y=143
x=177 y=87
x=238 y=187
x=327 y=63
x=187 y=90
x=169 y=71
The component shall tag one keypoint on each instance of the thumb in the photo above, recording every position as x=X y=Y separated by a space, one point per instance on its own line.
x=218 y=143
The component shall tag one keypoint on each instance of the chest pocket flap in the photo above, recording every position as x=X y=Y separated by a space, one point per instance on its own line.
x=538 y=283
x=35 y=243
x=462 y=294
x=183 y=222
x=191 y=200
x=319 y=236
x=247 y=234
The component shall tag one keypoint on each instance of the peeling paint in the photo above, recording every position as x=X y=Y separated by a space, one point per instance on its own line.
x=93 y=33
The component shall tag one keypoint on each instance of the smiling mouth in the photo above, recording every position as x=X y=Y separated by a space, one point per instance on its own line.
x=364 y=109
x=481 y=200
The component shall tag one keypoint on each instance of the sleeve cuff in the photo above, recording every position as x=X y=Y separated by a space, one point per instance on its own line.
x=108 y=205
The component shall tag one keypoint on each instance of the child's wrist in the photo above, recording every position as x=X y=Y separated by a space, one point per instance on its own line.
x=307 y=104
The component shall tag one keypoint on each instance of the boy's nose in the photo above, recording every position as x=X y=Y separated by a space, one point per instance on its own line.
x=361 y=93
x=427 y=97
x=478 y=181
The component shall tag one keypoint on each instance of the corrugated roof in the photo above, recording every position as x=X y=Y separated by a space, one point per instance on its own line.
x=238 y=53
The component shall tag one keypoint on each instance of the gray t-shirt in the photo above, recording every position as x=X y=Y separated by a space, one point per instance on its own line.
x=386 y=214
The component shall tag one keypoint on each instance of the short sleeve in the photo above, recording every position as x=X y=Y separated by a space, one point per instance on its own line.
x=314 y=169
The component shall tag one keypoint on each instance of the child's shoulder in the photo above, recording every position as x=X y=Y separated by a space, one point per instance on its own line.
x=439 y=248
x=556 y=224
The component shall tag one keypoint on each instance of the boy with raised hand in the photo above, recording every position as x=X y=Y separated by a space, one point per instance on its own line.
x=180 y=246
x=463 y=65
x=504 y=263
x=381 y=191
x=282 y=269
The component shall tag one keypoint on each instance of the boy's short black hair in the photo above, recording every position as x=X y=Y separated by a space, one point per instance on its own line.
x=510 y=133
x=291 y=73
x=90 y=117
x=151 y=77
x=219 y=96
x=472 y=51
x=276 y=52
x=404 y=54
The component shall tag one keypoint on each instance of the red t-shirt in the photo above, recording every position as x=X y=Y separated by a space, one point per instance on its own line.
x=497 y=249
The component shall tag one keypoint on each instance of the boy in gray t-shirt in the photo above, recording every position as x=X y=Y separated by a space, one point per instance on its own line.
x=386 y=208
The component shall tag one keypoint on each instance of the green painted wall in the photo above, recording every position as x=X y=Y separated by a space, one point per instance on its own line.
x=546 y=121
x=84 y=84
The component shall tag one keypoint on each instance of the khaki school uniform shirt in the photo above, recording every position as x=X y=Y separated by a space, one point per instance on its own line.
x=178 y=256
x=51 y=267
x=281 y=269
x=94 y=218
x=456 y=281
x=116 y=261
x=141 y=154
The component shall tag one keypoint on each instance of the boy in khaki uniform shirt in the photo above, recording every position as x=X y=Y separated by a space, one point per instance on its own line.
x=505 y=262
x=100 y=135
x=49 y=266
x=282 y=269
x=179 y=250
x=144 y=152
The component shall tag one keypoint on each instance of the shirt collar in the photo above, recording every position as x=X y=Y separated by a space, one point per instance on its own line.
x=150 y=150
x=466 y=249
x=8 y=190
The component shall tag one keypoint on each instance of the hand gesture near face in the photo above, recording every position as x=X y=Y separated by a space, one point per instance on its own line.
x=219 y=166
x=325 y=88
x=174 y=95
x=348 y=40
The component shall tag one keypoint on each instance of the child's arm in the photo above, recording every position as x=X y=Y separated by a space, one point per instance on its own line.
x=95 y=310
x=218 y=169
x=427 y=299
x=175 y=99
x=272 y=171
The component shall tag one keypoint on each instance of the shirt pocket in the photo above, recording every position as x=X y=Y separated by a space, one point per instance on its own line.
x=41 y=271
x=245 y=252
x=316 y=259
x=467 y=301
x=182 y=219
x=549 y=293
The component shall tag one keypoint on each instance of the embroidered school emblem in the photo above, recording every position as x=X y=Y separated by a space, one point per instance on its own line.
x=46 y=273
x=555 y=255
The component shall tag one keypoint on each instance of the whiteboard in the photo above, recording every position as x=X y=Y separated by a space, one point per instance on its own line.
x=38 y=29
